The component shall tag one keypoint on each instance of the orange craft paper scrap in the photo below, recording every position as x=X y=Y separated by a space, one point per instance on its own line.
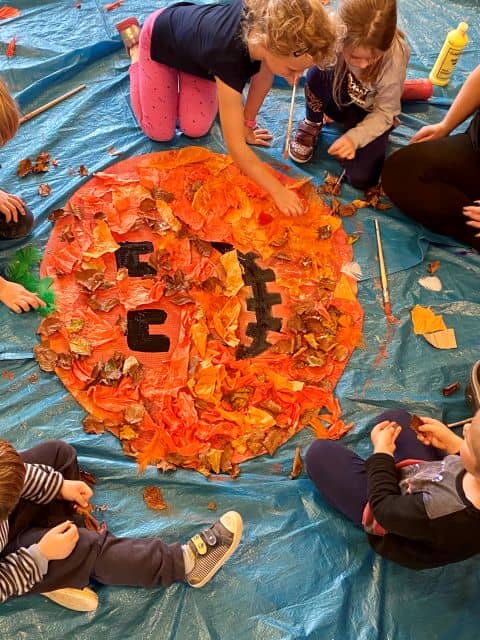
x=425 y=321
x=8 y=12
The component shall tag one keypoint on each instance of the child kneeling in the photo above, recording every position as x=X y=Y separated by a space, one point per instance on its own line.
x=418 y=501
x=43 y=551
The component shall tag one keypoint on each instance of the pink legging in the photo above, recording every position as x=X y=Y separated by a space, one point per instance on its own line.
x=162 y=95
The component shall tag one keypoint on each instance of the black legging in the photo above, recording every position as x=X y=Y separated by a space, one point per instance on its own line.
x=432 y=181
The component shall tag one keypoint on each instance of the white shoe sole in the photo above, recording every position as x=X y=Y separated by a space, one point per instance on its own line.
x=74 y=599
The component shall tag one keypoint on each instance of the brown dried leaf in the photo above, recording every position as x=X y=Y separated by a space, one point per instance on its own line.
x=87 y=477
x=93 y=425
x=46 y=357
x=44 y=189
x=24 y=167
x=297 y=465
x=324 y=232
x=82 y=170
x=91 y=523
x=415 y=422
x=80 y=346
x=153 y=498
x=347 y=210
x=273 y=440
x=42 y=162
x=165 y=466
x=212 y=506
x=450 y=388
x=134 y=413
x=433 y=266
x=50 y=325
x=56 y=214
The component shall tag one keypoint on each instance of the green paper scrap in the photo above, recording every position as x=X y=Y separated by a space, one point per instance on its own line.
x=21 y=271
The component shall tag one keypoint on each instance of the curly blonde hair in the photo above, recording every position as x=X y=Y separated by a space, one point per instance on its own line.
x=12 y=476
x=292 y=28
x=9 y=115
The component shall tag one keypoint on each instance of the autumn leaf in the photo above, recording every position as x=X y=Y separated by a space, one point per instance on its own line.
x=297 y=465
x=44 y=189
x=8 y=12
x=24 y=167
x=153 y=498
x=82 y=170
x=11 y=48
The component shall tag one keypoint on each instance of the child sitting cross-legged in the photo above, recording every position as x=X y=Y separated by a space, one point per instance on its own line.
x=43 y=551
x=417 y=496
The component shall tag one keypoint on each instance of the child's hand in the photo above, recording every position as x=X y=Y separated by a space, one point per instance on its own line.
x=76 y=491
x=17 y=298
x=430 y=132
x=11 y=206
x=473 y=212
x=343 y=148
x=259 y=137
x=435 y=433
x=60 y=541
x=383 y=437
x=288 y=202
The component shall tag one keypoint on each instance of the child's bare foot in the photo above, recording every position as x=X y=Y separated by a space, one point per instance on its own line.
x=17 y=298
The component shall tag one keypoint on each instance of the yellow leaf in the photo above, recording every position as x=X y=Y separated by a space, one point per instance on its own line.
x=425 y=321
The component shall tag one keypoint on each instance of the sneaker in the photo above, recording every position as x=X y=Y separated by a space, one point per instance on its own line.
x=472 y=390
x=304 y=141
x=129 y=30
x=211 y=548
x=75 y=599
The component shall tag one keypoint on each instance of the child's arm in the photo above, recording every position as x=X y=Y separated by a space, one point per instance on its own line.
x=260 y=85
x=25 y=567
x=42 y=483
x=404 y=515
x=17 y=298
x=466 y=102
x=435 y=433
x=232 y=120
x=11 y=206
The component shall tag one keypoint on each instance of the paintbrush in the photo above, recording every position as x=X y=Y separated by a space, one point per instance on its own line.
x=52 y=103
x=338 y=181
x=290 y=121
x=383 y=273
x=460 y=423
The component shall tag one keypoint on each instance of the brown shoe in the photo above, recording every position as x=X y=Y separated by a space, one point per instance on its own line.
x=304 y=141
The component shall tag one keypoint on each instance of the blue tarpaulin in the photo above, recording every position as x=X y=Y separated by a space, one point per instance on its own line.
x=302 y=570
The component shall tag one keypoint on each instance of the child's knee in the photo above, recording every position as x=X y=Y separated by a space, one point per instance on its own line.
x=317 y=452
x=195 y=129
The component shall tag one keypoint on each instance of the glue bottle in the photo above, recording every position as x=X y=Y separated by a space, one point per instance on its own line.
x=453 y=46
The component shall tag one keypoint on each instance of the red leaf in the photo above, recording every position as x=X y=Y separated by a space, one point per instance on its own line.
x=8 y=12
x=10 y=52
x=113 y=5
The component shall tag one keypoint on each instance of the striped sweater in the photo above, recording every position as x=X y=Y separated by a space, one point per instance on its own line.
x=23 y=568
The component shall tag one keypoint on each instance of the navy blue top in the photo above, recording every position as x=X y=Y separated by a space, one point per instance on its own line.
x=205 y=41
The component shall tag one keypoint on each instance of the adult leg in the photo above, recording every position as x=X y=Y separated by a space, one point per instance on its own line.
x=408 y=446
x=432 y=181
x=16 y=230
x=339 y=475
x=153 y=90
x=197 y=105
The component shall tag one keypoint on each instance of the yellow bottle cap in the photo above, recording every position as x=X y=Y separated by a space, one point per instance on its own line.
x=463 y=26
